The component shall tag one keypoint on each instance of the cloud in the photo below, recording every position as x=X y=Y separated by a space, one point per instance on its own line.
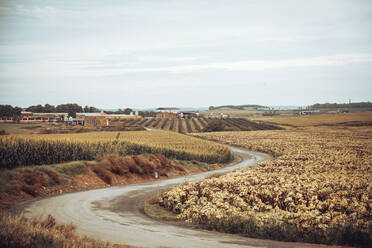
x=249 y=65
x=96 y=69
x=166 y=59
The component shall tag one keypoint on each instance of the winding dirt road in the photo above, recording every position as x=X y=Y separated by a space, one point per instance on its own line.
x=115 y=214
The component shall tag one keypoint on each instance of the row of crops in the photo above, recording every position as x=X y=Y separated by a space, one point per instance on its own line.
x=195 y=125
x=56 y=148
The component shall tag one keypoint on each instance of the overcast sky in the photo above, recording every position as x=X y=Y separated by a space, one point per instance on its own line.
x=151 y=53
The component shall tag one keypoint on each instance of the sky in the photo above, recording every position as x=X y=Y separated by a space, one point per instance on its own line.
x=152 y=53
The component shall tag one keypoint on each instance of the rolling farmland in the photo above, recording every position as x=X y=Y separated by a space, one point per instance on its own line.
x=196 y=125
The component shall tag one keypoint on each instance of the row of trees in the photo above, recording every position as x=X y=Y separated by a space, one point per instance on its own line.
x=70 y=108
x=342 y=105
x=239 y=107
x=9 y=111
x=147 y=113
x=126 y=111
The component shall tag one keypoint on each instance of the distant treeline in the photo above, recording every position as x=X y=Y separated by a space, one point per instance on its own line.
x=127 y=111
x=9 y=111
x=342 y=105
x=70 y=108
x=240 y=107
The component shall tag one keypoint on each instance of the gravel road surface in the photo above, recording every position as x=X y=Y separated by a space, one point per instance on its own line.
x=115 y=214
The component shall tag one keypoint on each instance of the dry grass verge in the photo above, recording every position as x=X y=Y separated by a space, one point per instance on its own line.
x=25 y=183
x=19 y=232
x=153 y=210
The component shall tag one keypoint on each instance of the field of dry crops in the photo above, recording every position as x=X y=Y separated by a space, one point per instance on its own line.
x=56 y=148
x=317 y=189
x=357 y=118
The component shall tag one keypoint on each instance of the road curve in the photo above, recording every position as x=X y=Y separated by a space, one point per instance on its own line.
x=115 y=214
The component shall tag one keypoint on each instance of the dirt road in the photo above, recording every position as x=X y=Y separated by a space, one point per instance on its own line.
x=115 y=214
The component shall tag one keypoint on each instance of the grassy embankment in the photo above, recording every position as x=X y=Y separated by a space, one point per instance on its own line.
x=115 y=158
x=103 y=159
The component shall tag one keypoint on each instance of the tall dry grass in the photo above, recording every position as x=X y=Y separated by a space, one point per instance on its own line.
x=19 y=232
x=58 y=148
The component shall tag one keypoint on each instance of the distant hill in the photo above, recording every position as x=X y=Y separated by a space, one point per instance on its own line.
x=155 y=109
x=238 y=107
x=282 y=107
x=342 y=105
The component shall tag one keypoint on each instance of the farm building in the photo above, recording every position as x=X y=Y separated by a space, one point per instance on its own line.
x=101 y=119
x=167 y=115
x=168 y=112
x=26 y=117
x=188 y=114
x=37 y=117
x=308 y=112
x=174 y=113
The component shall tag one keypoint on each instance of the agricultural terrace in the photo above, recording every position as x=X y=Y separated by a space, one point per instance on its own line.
x=56 y=148
x=317 y=189
x=196 y=125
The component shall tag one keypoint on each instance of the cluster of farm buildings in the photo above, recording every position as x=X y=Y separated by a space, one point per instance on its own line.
x=98 y=119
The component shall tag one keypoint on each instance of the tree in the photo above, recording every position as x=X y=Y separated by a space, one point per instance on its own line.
x=36 y=109
x=9 y=111
x=147 y=113
x=6 y=111
x=70 y=108
x=49 y=108
x=88 y=109
x=127 y=111
x=17 y=111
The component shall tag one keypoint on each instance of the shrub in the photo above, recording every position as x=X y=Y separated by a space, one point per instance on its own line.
x=103 y=174
x=147 y=166
x=36 y=178
x=54 y=176
x=30 y=189
x=114 y=163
